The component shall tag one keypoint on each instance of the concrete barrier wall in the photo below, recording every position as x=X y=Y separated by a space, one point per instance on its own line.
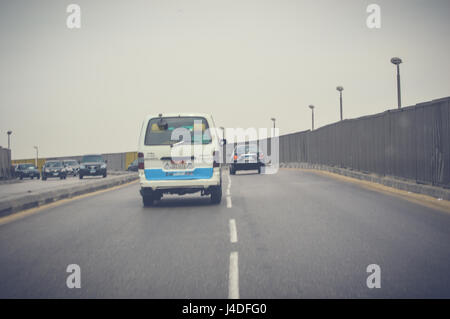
x=5 y=163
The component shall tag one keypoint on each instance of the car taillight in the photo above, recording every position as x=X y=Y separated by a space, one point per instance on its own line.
x=140 y=160
x=215 y=163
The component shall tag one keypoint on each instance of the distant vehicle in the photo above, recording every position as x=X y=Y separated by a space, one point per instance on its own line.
x=133 y=167
x=72 y=167
x=163 y=167
x=53 y=168
x=92 y=165
x=246 y=157
x=27 y=170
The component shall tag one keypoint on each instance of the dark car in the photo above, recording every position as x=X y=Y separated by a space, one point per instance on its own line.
x=92 y=165
x=246 y=157
x=27 y=171
x=133 y=167
x=53 y=169
x=72 y=167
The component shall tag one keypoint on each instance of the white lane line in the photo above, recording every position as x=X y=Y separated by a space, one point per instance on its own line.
x=233 y=231
x=229 y=205
x=233 y=284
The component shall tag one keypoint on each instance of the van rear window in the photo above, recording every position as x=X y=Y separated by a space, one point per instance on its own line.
x=172 y=130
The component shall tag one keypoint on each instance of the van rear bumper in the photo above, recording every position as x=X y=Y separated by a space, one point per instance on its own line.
x=186 y=181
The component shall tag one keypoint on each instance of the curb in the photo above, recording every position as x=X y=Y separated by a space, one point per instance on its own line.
x=410 y=186
x=14 y=205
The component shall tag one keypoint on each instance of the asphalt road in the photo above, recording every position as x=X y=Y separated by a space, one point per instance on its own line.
x=27 y=186
x=292 y=235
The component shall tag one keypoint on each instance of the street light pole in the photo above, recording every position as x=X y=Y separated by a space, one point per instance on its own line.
x=312 y=120
x=9 y=142
x=340 y=89
x=37 y=155
x=273 y=120
x=396 y=61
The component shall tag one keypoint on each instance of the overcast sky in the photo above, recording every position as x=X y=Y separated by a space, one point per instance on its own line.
x=77 y=91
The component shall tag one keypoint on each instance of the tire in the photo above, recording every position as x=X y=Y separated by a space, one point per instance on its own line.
x=216 y=195
x=147 y=200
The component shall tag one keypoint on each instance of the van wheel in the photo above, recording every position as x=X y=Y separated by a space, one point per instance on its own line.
x=216 y=194
x=147 y=200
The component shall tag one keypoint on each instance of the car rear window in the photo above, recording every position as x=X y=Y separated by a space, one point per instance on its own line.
x=53 y=164
x=92 y=158
x=166 y=130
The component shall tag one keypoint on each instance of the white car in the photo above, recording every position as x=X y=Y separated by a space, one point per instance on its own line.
x=179 y=154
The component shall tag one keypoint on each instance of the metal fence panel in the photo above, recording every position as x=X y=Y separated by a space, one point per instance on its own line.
x=411 y=143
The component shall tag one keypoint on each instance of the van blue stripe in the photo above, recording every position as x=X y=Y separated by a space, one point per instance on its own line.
x=159 y=174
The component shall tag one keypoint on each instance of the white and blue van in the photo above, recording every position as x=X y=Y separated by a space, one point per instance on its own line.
x=179 y=154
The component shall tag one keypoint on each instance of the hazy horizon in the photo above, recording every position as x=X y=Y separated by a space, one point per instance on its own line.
x=87 y=90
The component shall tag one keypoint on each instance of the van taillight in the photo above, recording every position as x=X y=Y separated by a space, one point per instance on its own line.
x=215 y=163
x=140 y=160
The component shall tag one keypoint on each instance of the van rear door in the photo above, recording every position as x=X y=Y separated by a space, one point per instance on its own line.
x=177 y=148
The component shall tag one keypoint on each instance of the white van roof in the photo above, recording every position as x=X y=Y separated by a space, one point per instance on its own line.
x=206 y=115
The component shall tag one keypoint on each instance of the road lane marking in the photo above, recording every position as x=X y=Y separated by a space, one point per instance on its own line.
x=233 y=283
x=233 y=231
x=31 y=211
x=229 y=205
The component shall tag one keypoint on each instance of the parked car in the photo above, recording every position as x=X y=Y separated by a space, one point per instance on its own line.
x=163 y=167
x=27 y=171
x=246 y=157
x=53 y=168
x=92 y=165
x=72 y=167
x=133 y=167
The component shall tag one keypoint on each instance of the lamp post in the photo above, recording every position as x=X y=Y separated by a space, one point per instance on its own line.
x=273 y=120
x=340 y=89
x=312 y=119
x=37 y=155
x=396 y=61
x=223 y=145
x=9 y=136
